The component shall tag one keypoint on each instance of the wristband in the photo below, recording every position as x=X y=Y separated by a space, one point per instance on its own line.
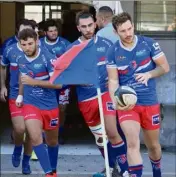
x=19 y=99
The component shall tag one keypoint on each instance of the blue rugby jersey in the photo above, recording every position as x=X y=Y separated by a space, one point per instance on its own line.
x=39 y=68
x=139 y=59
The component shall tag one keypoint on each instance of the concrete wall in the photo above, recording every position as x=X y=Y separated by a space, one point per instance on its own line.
x=166 y=85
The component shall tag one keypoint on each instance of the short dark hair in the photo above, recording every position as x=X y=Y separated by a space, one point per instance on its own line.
x=50 y=23
x=41 y=25
x=25 y=22
x=83 y=15
x=105 y=10
x=120 y=19
x=27 y=33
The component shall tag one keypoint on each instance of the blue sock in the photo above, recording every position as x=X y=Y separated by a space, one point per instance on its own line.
x=26 y=159
x=119 y=152
x=110 y=157
x=17 y=150
x=43 y=157
x=136 y=171
x=61 y=129
x=53 y=156
x=156 y=167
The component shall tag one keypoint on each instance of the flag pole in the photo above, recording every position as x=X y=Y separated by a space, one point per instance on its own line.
x=103 y=132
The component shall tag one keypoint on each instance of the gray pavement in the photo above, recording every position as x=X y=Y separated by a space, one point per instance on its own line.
x=72 y=164
x=77 y=159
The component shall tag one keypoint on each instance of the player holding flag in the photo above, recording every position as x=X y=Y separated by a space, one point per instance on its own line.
x=40 y=107
x=88 y=100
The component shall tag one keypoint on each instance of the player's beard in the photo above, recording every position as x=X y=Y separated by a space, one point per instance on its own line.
x=88 y=36
x=32 y=54
x=51 y=39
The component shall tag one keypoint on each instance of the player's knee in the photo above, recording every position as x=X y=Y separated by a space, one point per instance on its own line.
x=133 y=142
x=114 y=137
x=52 y=142
x=19 y=130
x=36 y=139
x=154 y=147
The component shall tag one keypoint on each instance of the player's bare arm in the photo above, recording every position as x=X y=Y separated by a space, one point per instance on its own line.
x=26 y=80
x=113 y=85
x=3 y=85
x=19 y=100
x=162 y=67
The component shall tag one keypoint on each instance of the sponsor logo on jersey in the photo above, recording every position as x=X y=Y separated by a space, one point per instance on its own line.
x=54 y=122
x=121 y=57
x=56 y=49
x=109 y=106
x=156 y=46
x=37 y=65
x=140 y=53
x=155 y=119
x=101 y=49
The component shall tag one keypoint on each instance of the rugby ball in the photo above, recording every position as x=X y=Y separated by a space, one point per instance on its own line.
x=125 y=96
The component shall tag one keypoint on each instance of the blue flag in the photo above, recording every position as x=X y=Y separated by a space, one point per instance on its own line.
x=77 y=66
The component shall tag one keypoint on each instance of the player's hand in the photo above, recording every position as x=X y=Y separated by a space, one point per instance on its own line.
x=27 y=80
x=143 y=78
x=19 y=101
x=3 y=94
x=124 y=108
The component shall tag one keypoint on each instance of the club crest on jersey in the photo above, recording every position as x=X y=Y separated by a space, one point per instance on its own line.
x=31 y=74
x=109 y=106
x=134 y=64
x=54 y=122
x=155 y=119
x=52 y=61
